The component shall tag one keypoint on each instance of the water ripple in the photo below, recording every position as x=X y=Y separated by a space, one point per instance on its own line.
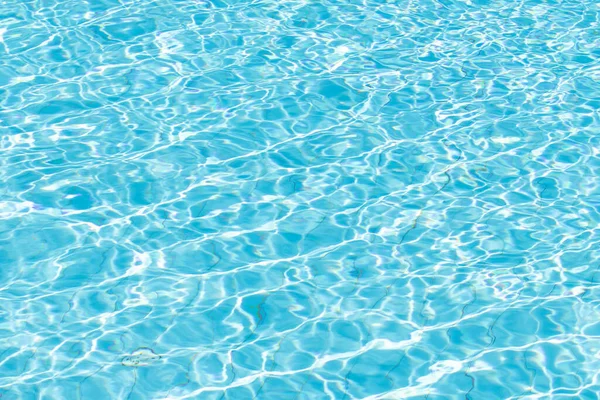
x=299 y=200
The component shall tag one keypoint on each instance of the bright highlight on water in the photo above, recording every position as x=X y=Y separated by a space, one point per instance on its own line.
x=349 y=199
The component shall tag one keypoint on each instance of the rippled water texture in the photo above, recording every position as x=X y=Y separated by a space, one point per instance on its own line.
x=299 y=199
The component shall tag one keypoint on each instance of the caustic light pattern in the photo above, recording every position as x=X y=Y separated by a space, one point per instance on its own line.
x=235 y=199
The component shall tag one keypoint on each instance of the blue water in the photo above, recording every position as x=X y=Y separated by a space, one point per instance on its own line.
x=299 y=199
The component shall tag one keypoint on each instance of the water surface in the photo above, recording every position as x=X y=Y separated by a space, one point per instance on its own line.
x=299 y=199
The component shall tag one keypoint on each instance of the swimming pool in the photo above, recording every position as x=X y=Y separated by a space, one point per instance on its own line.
x=299 y=200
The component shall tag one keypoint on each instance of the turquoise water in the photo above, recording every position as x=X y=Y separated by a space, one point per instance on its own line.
x=299 y=200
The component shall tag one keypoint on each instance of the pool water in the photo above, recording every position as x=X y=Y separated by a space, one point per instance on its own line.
x=297 y=199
